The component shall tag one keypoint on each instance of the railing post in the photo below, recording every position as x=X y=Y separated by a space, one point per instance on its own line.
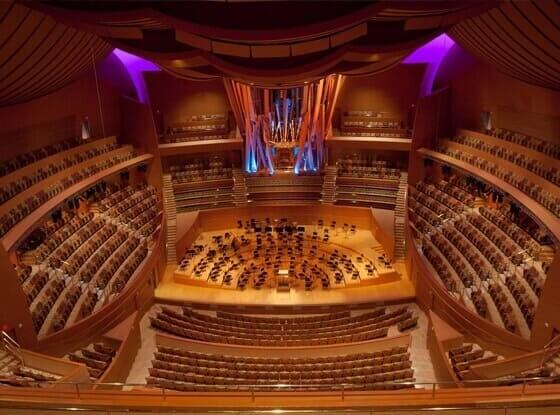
x=252 y=395
x=343 y=392
x=163 y=393
x=433 y=390
x=77 y=389
x=523 y=388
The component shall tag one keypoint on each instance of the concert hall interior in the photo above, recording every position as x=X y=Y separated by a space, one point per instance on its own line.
x=280 y=206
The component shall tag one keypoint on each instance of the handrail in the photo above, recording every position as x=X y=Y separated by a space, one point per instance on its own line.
x=11 y=346
x=6 y=337
x=554 y=340
x=338 y=386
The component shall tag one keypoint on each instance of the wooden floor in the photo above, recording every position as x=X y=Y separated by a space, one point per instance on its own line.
x=172 y=292
x=397 y=288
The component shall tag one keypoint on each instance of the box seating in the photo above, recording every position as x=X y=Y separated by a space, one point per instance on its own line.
x=23 y=209
x=463 y=357
x=97 y=357
x=549 y=200
x=537 y=144
x=25 y=182
x=283 y=187
x=372 y=123
x=199 y=127
x=444 y=273
x=485 y=241
x=21 y=375
x=184 y=370
x=22 y=160
x=90 y=258
x=223 y=330
x=366 y=182
x=521 y=237
x=202 y=184
x=63 y=233
x=551 y=174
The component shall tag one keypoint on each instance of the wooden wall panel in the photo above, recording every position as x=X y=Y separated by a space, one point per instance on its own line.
x=431 y=121
x=478 y=87
x=178 y=99
x=57 y=116
x=138 y=129
x=393 y=91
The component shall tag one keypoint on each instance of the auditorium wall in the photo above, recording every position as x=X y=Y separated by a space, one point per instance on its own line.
x=57 y=116
x=477 y=86
x=178 y=99
x=394 y=91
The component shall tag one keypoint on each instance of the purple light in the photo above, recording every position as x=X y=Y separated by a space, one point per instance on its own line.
x=432 y=54
x=135 y=66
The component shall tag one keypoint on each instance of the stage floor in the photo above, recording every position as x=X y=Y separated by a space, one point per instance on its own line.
x=386 y=285
x=173 y=292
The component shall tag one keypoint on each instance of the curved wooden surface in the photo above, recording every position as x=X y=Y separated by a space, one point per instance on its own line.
x=26 y=226
x=537 y=211
x=127 y=335
x=201 y=146
x=370 y=143
x=442 y=337
x=432 y=295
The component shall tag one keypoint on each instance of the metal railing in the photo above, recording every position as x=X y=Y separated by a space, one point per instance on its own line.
x=8 y=344
x=342 y=388
x=81 y=397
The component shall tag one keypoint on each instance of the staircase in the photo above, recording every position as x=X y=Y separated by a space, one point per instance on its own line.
x=400 y=212
x=171 y=212
x=239 y=188
x=328 y=193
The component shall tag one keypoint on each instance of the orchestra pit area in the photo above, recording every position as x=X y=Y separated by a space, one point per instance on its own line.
x=280 y=207
x=267 y=254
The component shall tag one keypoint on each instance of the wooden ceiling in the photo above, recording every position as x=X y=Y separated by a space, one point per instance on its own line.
x=521 y=38
x=268 y=43
x=46 y=45
x=38 y=55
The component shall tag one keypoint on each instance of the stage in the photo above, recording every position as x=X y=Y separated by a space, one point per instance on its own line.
x=388 y=285
x=169 y=291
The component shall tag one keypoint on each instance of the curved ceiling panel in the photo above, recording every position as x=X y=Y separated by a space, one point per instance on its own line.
x=39 y=55
x=521 y=38
x=268 y=43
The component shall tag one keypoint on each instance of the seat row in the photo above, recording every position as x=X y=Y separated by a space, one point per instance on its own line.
x=25 y=208
x=22 y=160
x=100 y=254
x=467 y=355
x=548 y=199
x=348 y=362
x=551 y=174
x=281 y=336
x=176 y=327
x=372 y=319
x=191 y=371
x=441 y=196
x=23 y=183
x=97 y=357
x=534 y=143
